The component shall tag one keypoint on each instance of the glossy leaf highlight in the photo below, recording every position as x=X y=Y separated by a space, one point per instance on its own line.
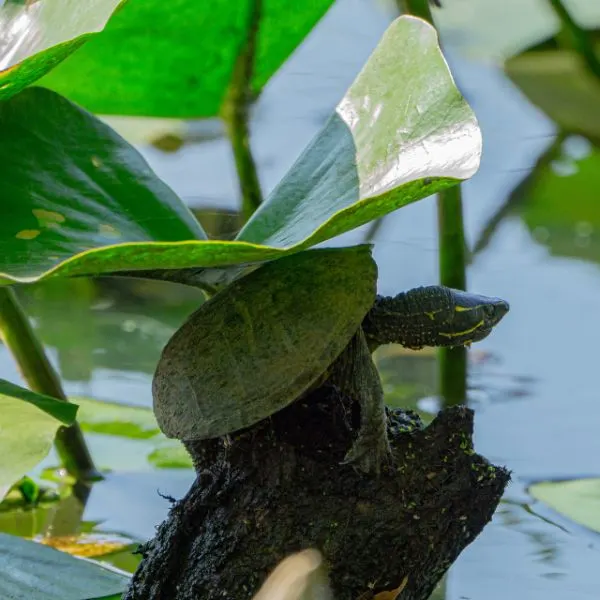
x=402 y=132
x=36 y=36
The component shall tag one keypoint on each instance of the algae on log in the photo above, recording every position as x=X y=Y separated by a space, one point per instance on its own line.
x=278 y=487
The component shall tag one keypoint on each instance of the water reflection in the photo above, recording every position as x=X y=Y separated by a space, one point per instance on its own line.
x=568 y=168
x=117 y=324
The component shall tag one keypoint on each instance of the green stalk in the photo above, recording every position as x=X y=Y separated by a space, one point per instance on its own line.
x=452 y=362
x=452 y=257
x=41 y=377
x=581 y=41
x=235 y=114
x=417 y=8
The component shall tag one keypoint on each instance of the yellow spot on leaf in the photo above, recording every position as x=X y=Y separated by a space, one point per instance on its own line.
x=48 y=218
x=84 y=545
x=96 y=161
x=28 y=234
x=108 y=230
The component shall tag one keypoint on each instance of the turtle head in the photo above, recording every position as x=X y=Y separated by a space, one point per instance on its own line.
x=467 y=318
x=432 y=316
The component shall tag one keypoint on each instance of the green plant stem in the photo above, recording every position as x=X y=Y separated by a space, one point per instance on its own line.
x=235 y=113
x=417 y=8
x=452 y=362
x=452 y=258
x=581 y=41
x=41 y=377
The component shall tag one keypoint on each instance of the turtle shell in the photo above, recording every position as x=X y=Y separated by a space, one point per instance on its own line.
x=257 y=345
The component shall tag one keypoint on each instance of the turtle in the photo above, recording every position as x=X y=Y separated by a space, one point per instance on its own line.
x=293 y=324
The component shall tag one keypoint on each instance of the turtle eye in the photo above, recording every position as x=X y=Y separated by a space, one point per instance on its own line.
x=489 y=310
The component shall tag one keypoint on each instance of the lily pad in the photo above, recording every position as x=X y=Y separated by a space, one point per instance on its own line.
x=32 y=571
x=37 y=36
x=171 y=455
x=113 y=418
x=176 y=59
x=27 y=416
x=83 y=202
x=577 y=499
x=101 y=417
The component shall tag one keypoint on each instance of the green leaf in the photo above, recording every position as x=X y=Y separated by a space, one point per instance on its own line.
x=29 y=489
x=183 y=66
x=64 y=412
x=578 y=499
x=402 y=132
x=559 y=84
x=35 y=37
x=29 y=424
x=32 y=571
x=70 y=184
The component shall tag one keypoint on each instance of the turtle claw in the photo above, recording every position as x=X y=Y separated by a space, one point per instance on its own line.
x=369 y=452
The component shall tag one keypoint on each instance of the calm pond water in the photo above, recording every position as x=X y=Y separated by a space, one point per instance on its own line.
x=534 y=382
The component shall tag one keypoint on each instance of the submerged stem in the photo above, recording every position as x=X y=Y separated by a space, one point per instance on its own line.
x=235 y=113
x=41 y=377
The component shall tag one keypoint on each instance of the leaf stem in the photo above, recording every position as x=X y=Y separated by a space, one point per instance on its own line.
x=452 y=258
x=417 y=8
x=36 y=370
x=235 y=113
x=580 y=39
x=452 y=362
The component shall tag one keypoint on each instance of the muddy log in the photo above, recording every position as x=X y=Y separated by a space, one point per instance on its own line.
x=278 y=487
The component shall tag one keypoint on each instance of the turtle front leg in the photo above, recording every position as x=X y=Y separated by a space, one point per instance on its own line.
x=357 y=376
